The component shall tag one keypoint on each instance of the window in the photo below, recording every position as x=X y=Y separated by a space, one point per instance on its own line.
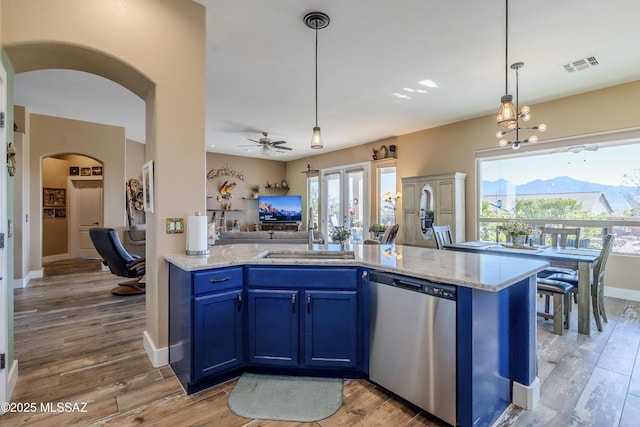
x=313 y=197
x=592 y=186
x=386 y=184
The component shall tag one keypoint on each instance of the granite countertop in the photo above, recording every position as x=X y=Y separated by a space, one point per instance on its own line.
x=478 y=271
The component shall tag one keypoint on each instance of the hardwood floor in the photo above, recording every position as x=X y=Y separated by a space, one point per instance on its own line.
x=77 y=343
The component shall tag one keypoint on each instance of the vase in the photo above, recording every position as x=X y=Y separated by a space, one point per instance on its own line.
x=519 y=239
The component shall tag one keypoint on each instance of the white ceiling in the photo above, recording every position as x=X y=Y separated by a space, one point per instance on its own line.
x=260 y=67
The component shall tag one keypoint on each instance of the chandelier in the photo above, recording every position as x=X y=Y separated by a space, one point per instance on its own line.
x=510 y=116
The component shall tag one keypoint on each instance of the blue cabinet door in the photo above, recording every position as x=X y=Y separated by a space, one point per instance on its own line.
x=218 y=327
x=331 y=329
x=273 y=327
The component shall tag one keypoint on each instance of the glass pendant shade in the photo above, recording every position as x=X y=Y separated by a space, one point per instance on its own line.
x=316 y=138
x=507 y=115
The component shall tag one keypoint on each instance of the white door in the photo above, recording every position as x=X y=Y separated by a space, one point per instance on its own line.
x=344 y=201
x=5 y=286
x=86 y=213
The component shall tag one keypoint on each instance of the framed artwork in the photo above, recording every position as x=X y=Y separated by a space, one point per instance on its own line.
x=85 y=171
x=96 y=170
x=147 y=186
x=54 y=197
x=48 y=213
x=60 y=213
x=74 y=170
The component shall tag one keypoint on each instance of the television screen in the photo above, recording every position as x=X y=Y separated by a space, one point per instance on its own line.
x=280 y=208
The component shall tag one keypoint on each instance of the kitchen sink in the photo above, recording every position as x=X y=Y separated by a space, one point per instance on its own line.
x=308 y=254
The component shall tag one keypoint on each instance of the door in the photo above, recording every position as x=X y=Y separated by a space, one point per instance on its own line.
x=273 y=327
x=86 y=212
x=331 y=329
x=217 y=333
x=344 y=201
x=5 y=286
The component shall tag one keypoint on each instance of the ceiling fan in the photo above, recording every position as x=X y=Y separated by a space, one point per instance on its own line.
x=267 y=145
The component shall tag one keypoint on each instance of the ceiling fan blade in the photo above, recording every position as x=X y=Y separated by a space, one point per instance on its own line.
x=278 y=142
x=251 y=145
x=282 y=148
x=253 y=140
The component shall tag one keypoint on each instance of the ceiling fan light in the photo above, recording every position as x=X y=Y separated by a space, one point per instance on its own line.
x=542 y=127
x=316 y=138
x=265 y=150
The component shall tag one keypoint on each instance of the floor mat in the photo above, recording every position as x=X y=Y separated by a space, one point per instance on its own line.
x=285 y=398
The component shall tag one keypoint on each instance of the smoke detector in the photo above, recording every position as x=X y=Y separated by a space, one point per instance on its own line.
x=582 y=64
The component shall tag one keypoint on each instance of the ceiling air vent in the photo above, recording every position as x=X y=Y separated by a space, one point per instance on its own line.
x=581 y=64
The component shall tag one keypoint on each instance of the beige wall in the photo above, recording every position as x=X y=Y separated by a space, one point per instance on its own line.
x=156 y=49
x=54 y=230
x=255 y=171
x=134 y=160
x=452 y=148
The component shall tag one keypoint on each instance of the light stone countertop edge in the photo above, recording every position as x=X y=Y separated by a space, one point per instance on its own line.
x=478 y=271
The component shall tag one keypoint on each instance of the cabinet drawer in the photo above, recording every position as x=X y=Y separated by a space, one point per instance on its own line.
x=216 y=280
x=301 y=277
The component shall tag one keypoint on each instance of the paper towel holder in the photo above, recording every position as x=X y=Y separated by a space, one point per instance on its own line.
x=192 y=252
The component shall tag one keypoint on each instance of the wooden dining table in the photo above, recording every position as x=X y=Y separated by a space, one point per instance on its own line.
x=581 y=260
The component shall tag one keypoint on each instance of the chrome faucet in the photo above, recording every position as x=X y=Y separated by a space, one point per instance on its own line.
x=310 y=238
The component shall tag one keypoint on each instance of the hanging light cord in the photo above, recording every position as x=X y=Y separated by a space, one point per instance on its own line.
x=316 y=28
x=506 y=46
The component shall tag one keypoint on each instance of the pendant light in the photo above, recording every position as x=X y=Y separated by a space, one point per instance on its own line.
x=509 y=116
x=316 y=21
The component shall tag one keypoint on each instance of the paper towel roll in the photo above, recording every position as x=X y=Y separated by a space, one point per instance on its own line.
x=197 y=235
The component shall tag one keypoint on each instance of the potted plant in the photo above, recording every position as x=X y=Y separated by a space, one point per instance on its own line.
x=427 y=221
x=255 y=189
x=377 y=230
x=340 y=235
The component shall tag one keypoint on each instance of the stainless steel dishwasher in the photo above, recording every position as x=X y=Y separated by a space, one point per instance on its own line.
x=413 y=341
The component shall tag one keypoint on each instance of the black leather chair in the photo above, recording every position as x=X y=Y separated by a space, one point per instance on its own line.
x=119 y=261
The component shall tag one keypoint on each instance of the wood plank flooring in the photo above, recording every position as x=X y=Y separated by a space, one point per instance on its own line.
x=77 y=343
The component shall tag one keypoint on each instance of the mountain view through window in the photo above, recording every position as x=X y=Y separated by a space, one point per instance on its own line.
x=595 y=187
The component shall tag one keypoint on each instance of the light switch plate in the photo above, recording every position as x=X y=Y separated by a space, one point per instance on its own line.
x=175 y=225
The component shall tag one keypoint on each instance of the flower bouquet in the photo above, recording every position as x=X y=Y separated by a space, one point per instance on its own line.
x=340 y=235
x=519 y=231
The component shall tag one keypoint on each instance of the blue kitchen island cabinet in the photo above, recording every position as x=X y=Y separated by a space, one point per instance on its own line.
x=206 y=325
x=306 y=318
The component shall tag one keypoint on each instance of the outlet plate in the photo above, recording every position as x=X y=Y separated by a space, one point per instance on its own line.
x=175 y=225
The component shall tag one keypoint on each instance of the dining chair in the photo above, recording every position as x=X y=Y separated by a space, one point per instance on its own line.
x=442 y=234
x=558 y=237
x=597 y=282
x=389 y=236
x=561 y=293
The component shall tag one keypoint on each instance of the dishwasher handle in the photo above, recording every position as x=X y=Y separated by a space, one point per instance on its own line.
x=407 y=285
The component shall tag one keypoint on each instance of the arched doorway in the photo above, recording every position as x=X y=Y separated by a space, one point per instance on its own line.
x=66 y=220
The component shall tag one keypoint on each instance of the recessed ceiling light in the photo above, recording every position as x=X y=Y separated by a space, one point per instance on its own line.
x=421 y=91
x=402 y=95
x=408 y=89
x=428 y=83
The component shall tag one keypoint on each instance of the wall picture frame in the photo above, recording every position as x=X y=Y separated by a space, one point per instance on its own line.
x=147 y=186
x=54 y=197
x=85 y=171
x=74 y=170
x=96 y=170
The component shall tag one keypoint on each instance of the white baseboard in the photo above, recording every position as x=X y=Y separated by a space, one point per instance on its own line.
x=526 y=397
x=22 y=283
x=157 y=356
x=12 y=379
x=622 y=293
